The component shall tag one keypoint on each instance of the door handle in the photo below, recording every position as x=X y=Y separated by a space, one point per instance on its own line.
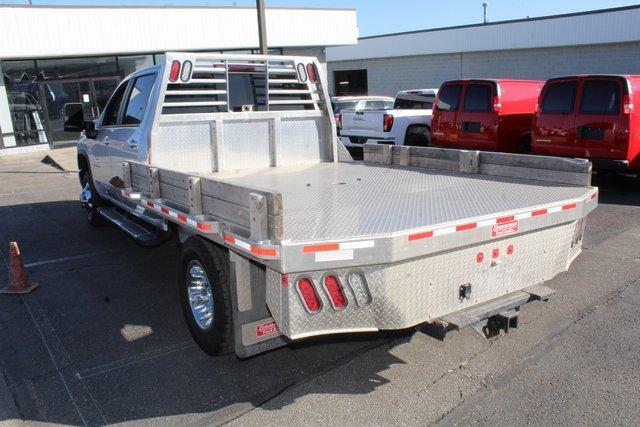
x=107 y=140
x=132 y=144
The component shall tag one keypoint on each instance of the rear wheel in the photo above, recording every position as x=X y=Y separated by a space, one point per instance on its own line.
x=91 y=200
x=204 y=295
x=524 y=144
x=418 y=136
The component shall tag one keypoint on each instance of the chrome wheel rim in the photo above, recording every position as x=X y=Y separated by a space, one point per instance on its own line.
x=200 y=295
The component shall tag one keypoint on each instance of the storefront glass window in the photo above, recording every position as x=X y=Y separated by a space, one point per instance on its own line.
x=27 y=116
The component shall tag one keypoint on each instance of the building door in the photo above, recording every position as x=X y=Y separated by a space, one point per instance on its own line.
x=69 y=102
x=350 y=82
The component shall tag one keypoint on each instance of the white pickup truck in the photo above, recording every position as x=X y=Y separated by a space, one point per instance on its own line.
x=407 y=123
x=284 y=237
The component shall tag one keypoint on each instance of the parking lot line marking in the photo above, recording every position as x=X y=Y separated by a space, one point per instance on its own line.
x=70 y=258
x=95 y=416
x=128 y=361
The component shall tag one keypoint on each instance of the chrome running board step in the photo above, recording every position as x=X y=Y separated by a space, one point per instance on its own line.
x=137 y=232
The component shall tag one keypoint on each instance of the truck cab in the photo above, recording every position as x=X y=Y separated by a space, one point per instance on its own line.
x=590 y=116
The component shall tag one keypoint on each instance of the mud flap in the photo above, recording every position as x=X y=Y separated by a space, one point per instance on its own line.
x=255 y=330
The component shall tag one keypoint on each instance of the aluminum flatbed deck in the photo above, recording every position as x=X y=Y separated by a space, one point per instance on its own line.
x=329 y=201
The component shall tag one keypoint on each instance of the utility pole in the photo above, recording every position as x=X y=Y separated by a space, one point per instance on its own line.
x=262 y=27
x=484 y=6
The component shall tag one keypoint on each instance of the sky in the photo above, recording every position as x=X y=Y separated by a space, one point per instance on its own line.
x=389 y=16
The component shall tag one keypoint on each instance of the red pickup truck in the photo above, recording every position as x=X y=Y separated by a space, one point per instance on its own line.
x=590 y=116
x=485 y=114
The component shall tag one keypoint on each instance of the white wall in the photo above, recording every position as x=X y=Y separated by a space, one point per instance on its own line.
x=615 y=26
x=388 y=75
x=49 y=31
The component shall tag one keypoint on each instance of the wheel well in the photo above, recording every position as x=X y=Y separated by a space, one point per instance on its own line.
x=83 y=163
x=524 y=143
x=416 y=126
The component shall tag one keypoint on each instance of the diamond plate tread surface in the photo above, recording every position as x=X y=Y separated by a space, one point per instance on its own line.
x=341 y=200
x=411 y=292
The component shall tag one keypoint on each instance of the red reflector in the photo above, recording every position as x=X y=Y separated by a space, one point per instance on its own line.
x=539 y=212
x=164 y=210
x=505 y=219
x=150 y=204
x=204 y=227
x=479 y=257
x=419 y=236
x=321 y=248
x=284 y=279
x=308 y=294
x=510 y=250
x=263 y=251
x=336 y=296
x=594 y=195
x=569 y=207
x=175 y=71
x=311 y=72
x=464 y=227
x=182 y=218
x=387 y=122
x=495 y=253
x=229 y=238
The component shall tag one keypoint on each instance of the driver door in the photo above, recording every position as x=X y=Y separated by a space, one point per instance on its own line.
x=100 y=148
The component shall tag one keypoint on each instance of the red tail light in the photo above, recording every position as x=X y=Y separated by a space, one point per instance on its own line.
x=338 y=119
x=175 y=71
x=497 y=104
x=627 y=104
x=311 y=72
x=387 y=122
x=334 y=291
x=308 y=295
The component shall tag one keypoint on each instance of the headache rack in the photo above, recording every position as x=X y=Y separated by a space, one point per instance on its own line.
x=206 y=83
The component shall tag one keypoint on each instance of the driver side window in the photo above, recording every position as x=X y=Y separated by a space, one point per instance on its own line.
x=113 y=107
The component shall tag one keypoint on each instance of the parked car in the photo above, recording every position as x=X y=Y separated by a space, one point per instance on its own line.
x=407 y=123
x=358 y=103
x=590 y=116
x=486 y=114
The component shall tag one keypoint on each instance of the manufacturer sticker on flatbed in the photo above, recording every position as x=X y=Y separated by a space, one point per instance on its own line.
x=505 y=228
x=266 y=328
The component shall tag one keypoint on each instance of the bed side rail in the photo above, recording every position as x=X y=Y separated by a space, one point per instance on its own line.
x=244 y=211
x=523 y=166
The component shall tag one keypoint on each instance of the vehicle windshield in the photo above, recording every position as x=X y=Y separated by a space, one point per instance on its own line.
x=414 y=101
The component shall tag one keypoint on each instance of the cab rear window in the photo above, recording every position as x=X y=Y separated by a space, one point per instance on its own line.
x=448 y=97
x=600 y=97
x=477 y=98
x=560 y=97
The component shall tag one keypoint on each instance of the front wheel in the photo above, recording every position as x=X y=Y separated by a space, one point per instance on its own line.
x=91 y=200
x=203 y=276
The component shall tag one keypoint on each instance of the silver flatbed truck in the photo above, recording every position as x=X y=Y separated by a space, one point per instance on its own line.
x=284 y=237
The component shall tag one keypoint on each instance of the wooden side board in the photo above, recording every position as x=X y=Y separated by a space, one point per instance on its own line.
x=521 y=166
x=202 y=195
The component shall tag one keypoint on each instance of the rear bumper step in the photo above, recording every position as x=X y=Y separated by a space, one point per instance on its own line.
x=488 y=318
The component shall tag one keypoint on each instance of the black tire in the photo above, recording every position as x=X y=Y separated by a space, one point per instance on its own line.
x=93 y=217
x=218 y=338
x=524 y=144
x=421 y=138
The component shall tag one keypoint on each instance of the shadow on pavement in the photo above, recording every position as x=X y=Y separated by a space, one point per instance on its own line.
x=103 y=339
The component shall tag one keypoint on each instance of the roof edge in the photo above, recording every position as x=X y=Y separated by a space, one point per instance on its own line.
x=147 y=6
x=510 y=21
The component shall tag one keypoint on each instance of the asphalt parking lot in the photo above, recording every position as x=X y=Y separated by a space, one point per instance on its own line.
x=103 y=340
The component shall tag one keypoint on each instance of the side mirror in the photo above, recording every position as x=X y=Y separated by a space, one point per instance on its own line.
x=90 y=129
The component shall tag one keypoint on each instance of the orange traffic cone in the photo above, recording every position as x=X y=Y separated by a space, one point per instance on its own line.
x=19 y=282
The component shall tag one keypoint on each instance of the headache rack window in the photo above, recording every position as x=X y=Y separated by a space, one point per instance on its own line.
x=241 y=85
